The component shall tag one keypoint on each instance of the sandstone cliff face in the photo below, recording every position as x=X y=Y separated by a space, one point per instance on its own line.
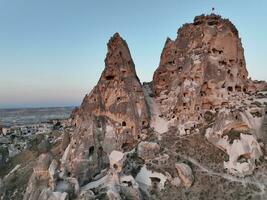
x=111 y=117
x=200 y=69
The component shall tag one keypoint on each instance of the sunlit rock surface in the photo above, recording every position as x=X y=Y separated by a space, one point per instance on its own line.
x=197 y=131
x=111 y=117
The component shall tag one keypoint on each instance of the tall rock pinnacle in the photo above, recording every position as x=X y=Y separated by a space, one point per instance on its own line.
x=201 y=67
x=112 y=116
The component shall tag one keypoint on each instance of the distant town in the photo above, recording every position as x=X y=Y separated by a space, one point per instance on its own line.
x=18 y=134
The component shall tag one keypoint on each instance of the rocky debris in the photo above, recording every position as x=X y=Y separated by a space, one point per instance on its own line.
x=69 y=186
x=130 y=188
x=148 y=179
x=235 y=134
x=114 y=185
x=243 y=154
x=132 y=164
x=87 y=195
x=148 y=150
x=116 y=159
x=185 y=174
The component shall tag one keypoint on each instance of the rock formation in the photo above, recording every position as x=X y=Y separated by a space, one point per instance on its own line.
x=185 y=174
x=111 y=117
x=148 y=150
x=260 y=85
x=200 y=69
x=203 y=73
x=133 y=141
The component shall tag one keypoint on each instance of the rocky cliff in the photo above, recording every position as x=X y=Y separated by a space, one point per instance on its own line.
x=200 y=69
x=197 y=125
x=111 y=117
x=201 y=78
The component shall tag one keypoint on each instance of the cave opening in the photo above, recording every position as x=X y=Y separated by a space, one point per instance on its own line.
x=238 y=88
x=91 y=151
x=110 y=77
x=115 y=166
x=230 y=89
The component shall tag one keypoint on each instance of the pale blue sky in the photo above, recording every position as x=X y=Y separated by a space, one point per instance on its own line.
x=52 y=51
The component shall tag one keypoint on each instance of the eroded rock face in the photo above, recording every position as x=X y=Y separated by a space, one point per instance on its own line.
x=111 y=117
x=132 y=141
x=202 y=80
x=148 y=179
x=235 y=134
x=39 y=180
x=200 y=69
x=45 y=182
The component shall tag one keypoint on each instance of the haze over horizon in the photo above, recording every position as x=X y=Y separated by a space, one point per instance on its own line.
x=52 y=52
